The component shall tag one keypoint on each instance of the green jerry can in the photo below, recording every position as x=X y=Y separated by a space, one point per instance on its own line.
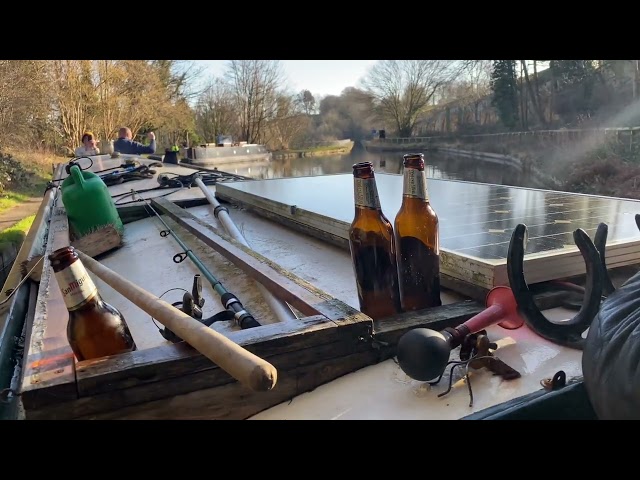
x=88 y=203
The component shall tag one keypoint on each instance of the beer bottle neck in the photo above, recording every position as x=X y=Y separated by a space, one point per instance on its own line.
x=76 y=286
x=366 y=194
x=415 y=184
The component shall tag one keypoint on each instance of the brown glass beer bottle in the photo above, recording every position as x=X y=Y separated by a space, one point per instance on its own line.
x=417 y=240
x=372 y=248
x=95 y=328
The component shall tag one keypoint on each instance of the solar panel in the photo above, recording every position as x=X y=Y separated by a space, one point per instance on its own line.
x=476 y=221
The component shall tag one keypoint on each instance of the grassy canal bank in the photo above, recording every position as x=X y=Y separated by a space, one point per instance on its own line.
x=23 y=178
x=610 y=168
x=316 y=151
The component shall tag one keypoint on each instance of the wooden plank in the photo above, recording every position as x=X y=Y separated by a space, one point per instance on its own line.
x=133 y=213
x=293 y=213
x=236 y=402
x=31 y=246
x=287 y=222
x=50 y=363
x=452 y=263
x=336 y=342
x=389 y=330
x=101 y=241
x=467 y=271
x=475 y=292
x=311 y=354
x=170 y=361
x=299 y=293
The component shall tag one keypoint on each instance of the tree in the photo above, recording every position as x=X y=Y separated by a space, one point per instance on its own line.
x=178 y=76
x=255 y=85
x=289 y=123
x=403 y=88
x=307 y=101
x=574 y=86
x=534 y=96
x=74 y=98
x=24 y=101
x=350 y=115
x=215 y=113
x=130 y=93
x=504 y=86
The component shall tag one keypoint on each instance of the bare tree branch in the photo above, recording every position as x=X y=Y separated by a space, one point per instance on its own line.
x=255 y=85
x=403 y=88
x=215 y=111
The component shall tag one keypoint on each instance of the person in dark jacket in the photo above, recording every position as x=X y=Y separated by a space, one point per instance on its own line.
x=125 y=145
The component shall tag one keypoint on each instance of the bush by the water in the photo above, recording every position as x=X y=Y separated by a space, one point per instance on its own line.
x=612 y=169
x=13 y=174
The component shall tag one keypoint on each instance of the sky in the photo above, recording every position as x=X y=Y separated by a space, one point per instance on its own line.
x=320 y=77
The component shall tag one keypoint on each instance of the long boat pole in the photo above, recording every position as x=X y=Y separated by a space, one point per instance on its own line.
x=280 y=308
x=244 y=366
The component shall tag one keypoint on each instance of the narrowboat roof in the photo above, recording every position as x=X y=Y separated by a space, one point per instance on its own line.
x=333 y=362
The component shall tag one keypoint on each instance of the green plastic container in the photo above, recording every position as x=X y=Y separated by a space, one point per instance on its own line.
x=88 y=203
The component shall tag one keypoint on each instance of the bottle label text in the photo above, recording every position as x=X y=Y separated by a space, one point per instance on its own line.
x=76 y=285
x=415 y=184
x=366 y=193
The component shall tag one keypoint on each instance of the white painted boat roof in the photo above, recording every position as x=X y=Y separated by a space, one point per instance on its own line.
x=380 y=391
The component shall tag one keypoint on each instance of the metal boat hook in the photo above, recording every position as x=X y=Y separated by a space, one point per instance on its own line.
x=568 y=333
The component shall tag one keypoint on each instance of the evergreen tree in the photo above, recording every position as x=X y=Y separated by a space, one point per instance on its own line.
x=505 y=91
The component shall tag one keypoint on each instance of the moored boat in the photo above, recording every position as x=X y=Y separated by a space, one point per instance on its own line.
x=214 y=155
x=332 y=361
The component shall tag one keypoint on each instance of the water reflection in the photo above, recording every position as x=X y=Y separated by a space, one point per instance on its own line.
x=438 y=165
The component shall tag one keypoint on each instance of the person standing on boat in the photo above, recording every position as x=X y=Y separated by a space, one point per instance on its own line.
x=88 y=146
x=124 y=143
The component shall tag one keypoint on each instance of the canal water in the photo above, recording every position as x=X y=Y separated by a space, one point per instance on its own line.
x=438 y=165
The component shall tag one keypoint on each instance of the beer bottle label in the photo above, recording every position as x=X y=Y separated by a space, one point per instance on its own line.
x=76 y=285
x=366 y=193
x=415 y=184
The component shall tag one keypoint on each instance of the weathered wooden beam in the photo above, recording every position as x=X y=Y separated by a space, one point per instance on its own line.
x=50 y=363
x=299 y=352
x=234 y=401
x=310 y=346
x=299 y=293
x=31 y=247
x=133 y=213
x=328 y=237
x=390 y=329
x=173 y=360
x=98 y=242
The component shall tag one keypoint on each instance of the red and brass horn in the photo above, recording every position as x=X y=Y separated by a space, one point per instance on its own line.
x=423 y=353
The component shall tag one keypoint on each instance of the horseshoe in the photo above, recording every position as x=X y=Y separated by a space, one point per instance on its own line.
x=600 y=242
x=568 y=333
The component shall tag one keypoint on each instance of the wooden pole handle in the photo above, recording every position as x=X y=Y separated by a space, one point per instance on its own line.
x=244 y=366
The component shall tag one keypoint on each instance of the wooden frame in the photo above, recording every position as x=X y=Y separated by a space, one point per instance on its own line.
x=175 y=381
x=32 y=245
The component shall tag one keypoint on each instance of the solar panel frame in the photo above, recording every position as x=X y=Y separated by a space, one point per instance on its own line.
x=476 y=221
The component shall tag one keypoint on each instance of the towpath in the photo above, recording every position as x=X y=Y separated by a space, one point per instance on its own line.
x=13 y=215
